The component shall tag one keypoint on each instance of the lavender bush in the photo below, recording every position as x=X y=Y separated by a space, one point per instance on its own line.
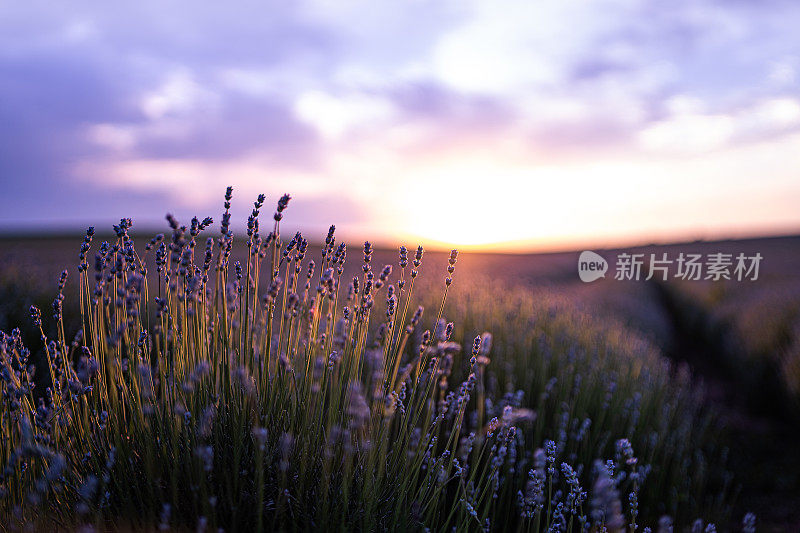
x=277 y=392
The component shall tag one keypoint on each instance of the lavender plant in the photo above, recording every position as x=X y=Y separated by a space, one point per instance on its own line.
x=278 y=392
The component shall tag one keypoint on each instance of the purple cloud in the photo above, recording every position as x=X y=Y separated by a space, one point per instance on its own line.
x=99 y=104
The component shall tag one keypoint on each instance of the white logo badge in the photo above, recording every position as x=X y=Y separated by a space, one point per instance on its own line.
x=591 y=266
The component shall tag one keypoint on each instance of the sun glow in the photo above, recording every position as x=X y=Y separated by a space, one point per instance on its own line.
x=474 y=203
x=482 y=202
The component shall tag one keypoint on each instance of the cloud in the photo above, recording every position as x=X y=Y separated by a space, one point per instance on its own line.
x=179 y=95
x=513 y=46
x=354 y=102
x=688 y=133
x=334 y=116
x=688 y=130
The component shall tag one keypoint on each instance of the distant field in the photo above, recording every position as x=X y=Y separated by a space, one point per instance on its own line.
x=761 y=317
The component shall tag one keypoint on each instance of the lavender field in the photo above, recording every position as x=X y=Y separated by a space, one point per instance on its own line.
x=419 y=266
x=201 y=380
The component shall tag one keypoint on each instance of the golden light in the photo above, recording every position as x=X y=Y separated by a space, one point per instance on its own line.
x=475 y=203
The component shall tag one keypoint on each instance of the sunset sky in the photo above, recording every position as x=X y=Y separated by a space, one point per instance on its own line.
x=535 y=124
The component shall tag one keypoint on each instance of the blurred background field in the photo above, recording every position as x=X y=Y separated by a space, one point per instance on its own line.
x=752 y=327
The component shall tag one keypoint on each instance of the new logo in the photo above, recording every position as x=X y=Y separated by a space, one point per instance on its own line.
x=591 y=266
